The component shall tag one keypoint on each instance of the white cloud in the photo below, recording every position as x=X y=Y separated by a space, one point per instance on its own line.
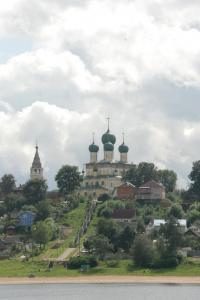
x=136 y=61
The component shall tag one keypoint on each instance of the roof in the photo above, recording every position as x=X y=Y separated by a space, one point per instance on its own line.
x=152 y=183
x=36 y=161
x=127 y=184
x=158 y=222
x=122 y=213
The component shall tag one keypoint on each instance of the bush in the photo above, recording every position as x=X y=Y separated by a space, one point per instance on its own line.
x=112 y=263
x=77 y=262
x=167 y=262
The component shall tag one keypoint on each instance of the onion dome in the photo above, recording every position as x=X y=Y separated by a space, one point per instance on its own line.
x=108 y=138
x=123 y=148
x=108 y=146
x=93 y=148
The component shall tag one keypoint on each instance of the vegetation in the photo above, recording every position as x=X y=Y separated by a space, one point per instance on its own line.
x=68 y=179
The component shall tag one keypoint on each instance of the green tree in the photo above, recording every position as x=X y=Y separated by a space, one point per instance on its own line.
x=194 y=176
x=143 y=251
x=176 y=211
x=35 y=191
x=126 y=238
x=13 y=202
x=192 y=216
x=7 y=184
x=41 y=233
x=43 y=210
x=172 y=235
x=168 y=178
x=100 y=244
x=68 y=179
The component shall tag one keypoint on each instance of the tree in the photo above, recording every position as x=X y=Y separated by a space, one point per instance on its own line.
x=176 y=212
x=35 y=191
x=13 y=201
x=172 y=235
x=68 y=179
x=194 y=176
x=168 y=178
x=126 y=238
x=100 y=244
x=144 y=172
x=143 y=251
x=7 y=184
x=43 y=210
x=139 y=174
x=41 y=233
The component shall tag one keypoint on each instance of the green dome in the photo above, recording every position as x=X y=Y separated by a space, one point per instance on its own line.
x=108 y=146
x=123 y=148
x=108 y=137
x=93 y=148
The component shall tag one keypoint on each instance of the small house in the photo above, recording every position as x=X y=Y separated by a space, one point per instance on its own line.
x=123 y=215
x=151 y=191
x=126 y=191
x=26 y=218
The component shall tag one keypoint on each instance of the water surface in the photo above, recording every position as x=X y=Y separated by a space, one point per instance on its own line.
x=100 y=292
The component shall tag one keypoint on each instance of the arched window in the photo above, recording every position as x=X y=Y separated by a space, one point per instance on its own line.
x=102 y=182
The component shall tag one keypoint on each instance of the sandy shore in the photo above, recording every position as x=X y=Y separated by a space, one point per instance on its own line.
x=103 y=279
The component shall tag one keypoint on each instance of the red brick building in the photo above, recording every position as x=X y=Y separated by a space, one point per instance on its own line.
x=126 y=191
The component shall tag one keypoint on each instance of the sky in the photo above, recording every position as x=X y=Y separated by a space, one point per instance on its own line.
x=65 y=66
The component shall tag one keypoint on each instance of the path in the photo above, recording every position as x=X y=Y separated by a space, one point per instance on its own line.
x=65 y=254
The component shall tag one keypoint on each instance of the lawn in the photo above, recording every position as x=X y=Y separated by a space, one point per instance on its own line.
x=74 y=219
x=13 y=268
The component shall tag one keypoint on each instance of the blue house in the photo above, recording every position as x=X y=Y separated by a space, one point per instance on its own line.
x=26 y=218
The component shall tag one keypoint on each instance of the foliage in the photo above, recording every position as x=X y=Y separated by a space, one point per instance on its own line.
x=68 y=179
x=109 y=229
x=7 y=184
x=126 y=238
x=176 y=212
x=194 y=176
x=13 y=201
x=100 y=244
x=168 y=178
x=144 y=172
x=104 y=197
x=78 y=261
x=143 y=251
x=35 y=191
x=106 y=209
x=43 y=210
x=41 y=232
x=192 y=216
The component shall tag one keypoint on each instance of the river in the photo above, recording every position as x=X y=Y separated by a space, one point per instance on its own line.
x=100 y=292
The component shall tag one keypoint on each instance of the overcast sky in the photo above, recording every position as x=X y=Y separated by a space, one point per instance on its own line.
x=65 y=65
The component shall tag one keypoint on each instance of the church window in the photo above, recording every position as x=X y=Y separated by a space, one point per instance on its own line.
x=97 y=183
x=102 y=182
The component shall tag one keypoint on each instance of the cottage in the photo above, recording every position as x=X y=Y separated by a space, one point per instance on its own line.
x=156 y=224
x=26 y=218
x=151 y=191
x=124 y=215
x=126 y=191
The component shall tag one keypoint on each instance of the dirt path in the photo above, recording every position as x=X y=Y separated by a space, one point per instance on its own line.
x=104 y=279
x=65 y=254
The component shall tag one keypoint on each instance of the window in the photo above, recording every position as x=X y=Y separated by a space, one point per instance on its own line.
x=102 y=182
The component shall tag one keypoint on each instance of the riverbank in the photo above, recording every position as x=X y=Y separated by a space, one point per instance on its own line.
x=103 y=279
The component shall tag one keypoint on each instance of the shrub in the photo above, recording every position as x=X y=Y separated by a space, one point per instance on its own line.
x=112 y=263
x=77 y=262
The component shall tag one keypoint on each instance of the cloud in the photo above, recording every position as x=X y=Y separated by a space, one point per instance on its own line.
x=136 y=61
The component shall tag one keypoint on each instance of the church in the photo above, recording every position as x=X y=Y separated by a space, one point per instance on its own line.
x=104 y=175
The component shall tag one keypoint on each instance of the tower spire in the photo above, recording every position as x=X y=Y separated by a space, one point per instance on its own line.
x=108 y=118
x=93 y=134
x=123 y=134
x=36 y=168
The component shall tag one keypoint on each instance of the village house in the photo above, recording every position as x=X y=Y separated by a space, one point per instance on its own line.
x=151 y=191
x=126 y=191
x=123 y=215
x=156 y=224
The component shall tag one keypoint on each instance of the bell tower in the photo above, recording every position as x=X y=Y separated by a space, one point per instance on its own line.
x=36 y=168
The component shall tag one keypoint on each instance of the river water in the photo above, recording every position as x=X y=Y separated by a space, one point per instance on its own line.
x=100 y=292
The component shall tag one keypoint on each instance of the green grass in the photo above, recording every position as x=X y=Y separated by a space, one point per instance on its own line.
x=13 y=268
x=74 y=219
